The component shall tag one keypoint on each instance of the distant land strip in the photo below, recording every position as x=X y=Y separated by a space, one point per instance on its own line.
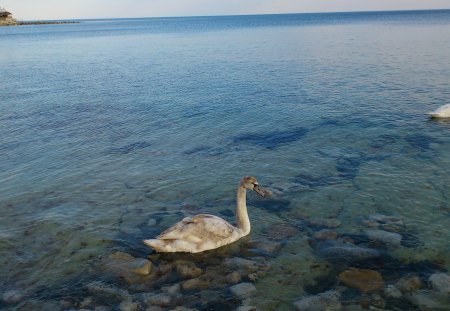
x=24 y=23
x=46 y=22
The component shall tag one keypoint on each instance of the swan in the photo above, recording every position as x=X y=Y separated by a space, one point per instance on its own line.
x=441 y=112
x=205 y=232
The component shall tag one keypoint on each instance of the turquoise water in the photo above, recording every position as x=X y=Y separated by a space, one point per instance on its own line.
x=112 y=130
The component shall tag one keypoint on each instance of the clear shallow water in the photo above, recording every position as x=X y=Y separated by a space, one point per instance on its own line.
x=112 y=130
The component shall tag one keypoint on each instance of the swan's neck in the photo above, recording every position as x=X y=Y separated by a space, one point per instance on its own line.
x=243 y=222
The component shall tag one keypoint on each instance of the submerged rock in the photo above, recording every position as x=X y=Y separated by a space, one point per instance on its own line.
x=324 y=222
x=272 y=140
x=188 y=269
x=343 y=252
x=161 y=300
x=322 y=302
x=242 y=289
x=108 y=293
x=429 y=300
x=126 y=266
x=12 y=296
x=326 y=234
x=409 y=284
x=265 y=247
x=197 y=283
x=282 y=231
x=363 y=279
x=233 y=278
x=440 y=282
x=129 y=306
x=392 y=292
x=242 y=264
x=386 y=237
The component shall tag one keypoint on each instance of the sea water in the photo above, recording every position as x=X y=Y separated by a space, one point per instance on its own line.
x=113 y=130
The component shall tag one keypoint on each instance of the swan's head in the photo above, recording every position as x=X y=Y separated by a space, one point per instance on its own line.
x=250 y=182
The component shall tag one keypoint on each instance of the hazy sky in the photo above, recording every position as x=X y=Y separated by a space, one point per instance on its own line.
x=59 y=9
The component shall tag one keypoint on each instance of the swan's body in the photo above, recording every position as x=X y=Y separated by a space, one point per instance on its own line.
x=441 y=112
x=204 y=232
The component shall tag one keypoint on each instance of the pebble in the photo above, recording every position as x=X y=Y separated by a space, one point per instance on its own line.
x=233 y=278
x=440 y=282
x=188 y=270
x=363 y=279
x=242 y=289
x=173 y=289
x=391 y=291
x=241 y=263
x=322 y=302
x=386 y=237
x=107 y=292
x=197 y=283
x=246 y=308
x=154 y=308
x=161 y=300
x=129 y=306
x=409 y=284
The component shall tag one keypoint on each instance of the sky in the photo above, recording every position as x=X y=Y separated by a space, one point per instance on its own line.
x=78 y=9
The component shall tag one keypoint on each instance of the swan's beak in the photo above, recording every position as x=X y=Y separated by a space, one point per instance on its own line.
x=259 y=191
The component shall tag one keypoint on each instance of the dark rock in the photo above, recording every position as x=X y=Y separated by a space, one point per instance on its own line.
x=274 y=139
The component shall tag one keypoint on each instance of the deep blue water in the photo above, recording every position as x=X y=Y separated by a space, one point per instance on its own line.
x=112 y=130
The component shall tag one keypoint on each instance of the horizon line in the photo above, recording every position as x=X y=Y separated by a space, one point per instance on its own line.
x=231 y=15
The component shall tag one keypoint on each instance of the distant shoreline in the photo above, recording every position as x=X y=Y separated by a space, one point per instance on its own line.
x=26 y=23
x=46 y=22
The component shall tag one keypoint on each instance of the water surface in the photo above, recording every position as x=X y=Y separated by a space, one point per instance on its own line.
x=112 y=130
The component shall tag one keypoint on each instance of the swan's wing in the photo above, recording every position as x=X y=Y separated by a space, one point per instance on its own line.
x=198 y=228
